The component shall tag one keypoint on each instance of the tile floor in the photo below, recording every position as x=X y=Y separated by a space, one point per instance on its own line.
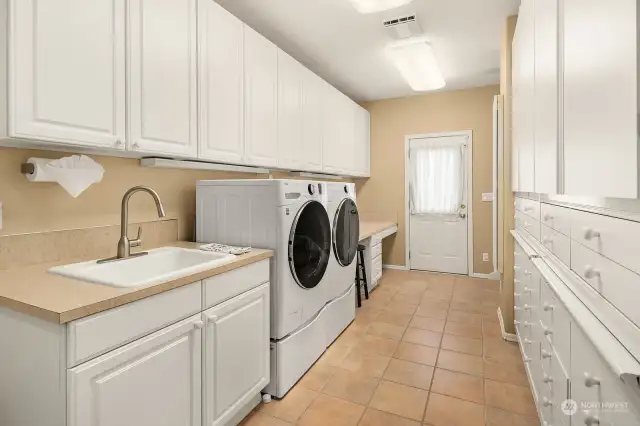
x=425 y=349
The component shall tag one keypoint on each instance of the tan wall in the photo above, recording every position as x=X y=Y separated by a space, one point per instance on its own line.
x=391 y=121
x=35 y=207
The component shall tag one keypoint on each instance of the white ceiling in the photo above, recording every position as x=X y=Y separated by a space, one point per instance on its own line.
x=347 y=49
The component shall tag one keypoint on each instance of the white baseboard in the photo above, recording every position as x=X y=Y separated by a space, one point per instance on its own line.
x=506 y=336
x=398 y=267
x=491 y=276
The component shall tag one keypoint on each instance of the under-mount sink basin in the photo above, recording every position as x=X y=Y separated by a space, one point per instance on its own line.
x=160 y=265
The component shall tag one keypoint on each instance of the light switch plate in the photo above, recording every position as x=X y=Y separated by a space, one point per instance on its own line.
x=487 y=196
x=485 y=257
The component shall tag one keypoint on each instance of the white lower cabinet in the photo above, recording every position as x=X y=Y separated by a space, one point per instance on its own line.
x=153 y=381
x=236 y=356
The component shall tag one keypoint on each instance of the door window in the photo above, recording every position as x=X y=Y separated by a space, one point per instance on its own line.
x=310 y=244
x=346 y=232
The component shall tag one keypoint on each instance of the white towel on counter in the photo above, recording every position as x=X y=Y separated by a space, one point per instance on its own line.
x=222 y=248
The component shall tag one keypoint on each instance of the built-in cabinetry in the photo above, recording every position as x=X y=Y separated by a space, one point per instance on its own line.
x=373 y=255
x=115 y=77
x=195 y=355
x=575 y=98
x=576 y=313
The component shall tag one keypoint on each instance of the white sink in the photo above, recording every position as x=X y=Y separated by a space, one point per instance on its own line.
x=160 y=265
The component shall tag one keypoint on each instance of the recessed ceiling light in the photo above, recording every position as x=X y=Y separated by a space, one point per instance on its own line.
x=415 y=60
x=372 y=6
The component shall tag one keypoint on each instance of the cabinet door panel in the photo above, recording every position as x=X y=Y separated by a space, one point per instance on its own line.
x=261 y=99
x=362 y=142
x=313 y=120
x=237 y=362
x=290 y=118
x=153 y=381
x=600 y=98
x=162 y=77
x=67 y=73
x=332 y=145
x=221 y=77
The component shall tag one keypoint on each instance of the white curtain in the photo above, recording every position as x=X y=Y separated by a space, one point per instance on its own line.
x=437 y=179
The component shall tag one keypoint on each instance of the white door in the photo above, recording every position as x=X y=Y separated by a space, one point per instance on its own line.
x=163 y=77
x=153 y=381
x=221 y=80
x=66 y=86
x=236 y=354
x=290 y=116
x=261 y=100
x=438 y=204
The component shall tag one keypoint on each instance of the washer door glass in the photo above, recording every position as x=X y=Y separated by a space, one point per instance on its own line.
x=346 y=232
x=310 y=244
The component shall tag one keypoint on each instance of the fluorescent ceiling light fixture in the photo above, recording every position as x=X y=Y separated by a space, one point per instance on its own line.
x=372 y=6
x=415 y=60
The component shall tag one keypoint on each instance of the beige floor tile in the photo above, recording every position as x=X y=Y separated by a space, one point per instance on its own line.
x=259 y=419
x=350 y=336
x=437 y=294
x=350 y=386
x=467 y=296
x=462 y=344
x=431 y=324
x=507 y=396
x=422 y=337
x=491 y=317
x=489 y=309
x=401 y=308
x=414 y=289
x=395 y=319
x=491 y=329
x=443 y=410
x=404 y=401
x=464 y=317
x=368 y=312
x=327 y=410
x=335 y=354
x=497 y=417
x=491 y=296
x=409 y=373
x=373 y=417
x=473 y=307
x=462 y=329
x=366 y=363
x=416 y=353
x=386 y=330
x=405 y=299
x=505 y=372
x=431 y=313
x=458 y=385
x=291 y=407
x=463 y=363
x=317 y=377
x=499 y=350
x=376 y=345
x=434 y=303
x=493 y=285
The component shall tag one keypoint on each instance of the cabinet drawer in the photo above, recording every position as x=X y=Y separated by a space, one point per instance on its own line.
x=554 y=381
x=376 y=251
x=557 y=243
x=614 y=238
x=613 y=281
x=104 y=331
x=528 y=224
x=556 y=217
x=529 y=207
x=555 y=317
x=230 y=284
x=376 y=265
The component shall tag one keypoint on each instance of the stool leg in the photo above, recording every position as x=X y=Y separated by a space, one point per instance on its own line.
x=364 y=274
x=358 y=286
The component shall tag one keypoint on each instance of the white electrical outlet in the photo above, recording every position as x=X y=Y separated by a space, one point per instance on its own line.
x=485 y=257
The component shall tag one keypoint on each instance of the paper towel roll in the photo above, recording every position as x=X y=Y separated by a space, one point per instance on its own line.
x=75 y=174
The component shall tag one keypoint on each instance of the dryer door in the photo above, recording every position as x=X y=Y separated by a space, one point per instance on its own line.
x=310 y=244
x=346 y=232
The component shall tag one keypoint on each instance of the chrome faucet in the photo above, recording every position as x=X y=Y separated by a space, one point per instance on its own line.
x=125 y=244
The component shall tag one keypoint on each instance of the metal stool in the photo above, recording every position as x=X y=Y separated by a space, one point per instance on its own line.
x=360 y=268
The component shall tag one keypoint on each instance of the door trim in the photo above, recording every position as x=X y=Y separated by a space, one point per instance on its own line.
x=407 y=221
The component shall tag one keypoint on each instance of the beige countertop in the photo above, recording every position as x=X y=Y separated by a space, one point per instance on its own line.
x=55 y=298
x=370 y=228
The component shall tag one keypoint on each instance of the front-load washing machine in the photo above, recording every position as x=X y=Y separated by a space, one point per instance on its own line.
x=289 y=217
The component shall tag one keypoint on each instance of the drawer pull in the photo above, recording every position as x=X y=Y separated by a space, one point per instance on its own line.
x=591 y=272
x=527 y=341
x=526 y=359
x=546 y=354
x=527 y=273
x=527 y=290
x=590 y=381
x=516 y=294
x=547 y=217
x=546 y=402
x=591 y=421
x=526 y=307
x=590 y=234
x=548 y=307
x=547 y=379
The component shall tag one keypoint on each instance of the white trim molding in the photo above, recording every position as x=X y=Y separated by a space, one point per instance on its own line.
x=397 y=267
x=506 y=336
x=491 y=276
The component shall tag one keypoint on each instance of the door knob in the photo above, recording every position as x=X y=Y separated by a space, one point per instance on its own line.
x=463 y=215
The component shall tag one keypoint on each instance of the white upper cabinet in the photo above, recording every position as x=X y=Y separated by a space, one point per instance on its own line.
x=546 y=96
x=260 y=100
x=291 y=153
x=362 y=142
x=600 y=98
x=332 y=146
x=221 y=83
x=312 y=121
x=163 y=77
x=67 y=71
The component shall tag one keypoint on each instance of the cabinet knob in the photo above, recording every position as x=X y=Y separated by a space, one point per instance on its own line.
x=528 y=209
x=119 y=142
x=547 y=379
x=591 y=421
x=547 y=331
x=516 y=294
x=590 y=381
x=212 y=318
x=590 y=234
x=547 y=217
x=548 y=307
x=516 y=268
x=527 y=273
x=545 y=354
x=516 y=281
x=526 y=359
x=547 y=240
x=527 y=289
x=517 y=308
x=526 y=307
x=516 y=322
x=546 y=402
x=135 y=145
x=198 y=324
x=591 y=272
x=527 y=341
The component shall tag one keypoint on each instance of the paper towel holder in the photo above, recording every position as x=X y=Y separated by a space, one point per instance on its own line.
x=27 y=168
